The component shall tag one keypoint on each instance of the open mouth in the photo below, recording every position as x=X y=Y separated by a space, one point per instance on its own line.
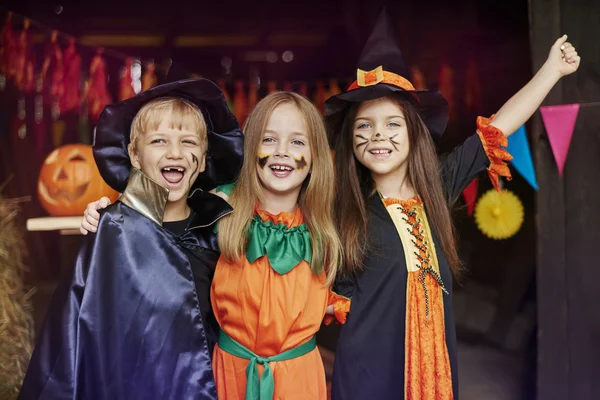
x=281 y=170
x=380 y=153
x=173 y=175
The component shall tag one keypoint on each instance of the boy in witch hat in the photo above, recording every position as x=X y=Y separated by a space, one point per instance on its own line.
x=133 y=320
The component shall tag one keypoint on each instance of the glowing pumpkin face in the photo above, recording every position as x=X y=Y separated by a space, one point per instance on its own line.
x=69 y=180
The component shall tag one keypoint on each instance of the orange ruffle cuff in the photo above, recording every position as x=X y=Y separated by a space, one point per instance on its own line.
x=341 y=308
x=495 y=144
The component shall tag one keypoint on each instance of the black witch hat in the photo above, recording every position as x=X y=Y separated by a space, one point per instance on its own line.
x=224 y=156
x=381 y=72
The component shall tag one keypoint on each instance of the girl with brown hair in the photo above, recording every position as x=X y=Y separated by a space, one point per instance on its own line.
x=393 y=214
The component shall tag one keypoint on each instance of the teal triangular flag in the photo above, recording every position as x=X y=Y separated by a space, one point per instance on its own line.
x=518 y=147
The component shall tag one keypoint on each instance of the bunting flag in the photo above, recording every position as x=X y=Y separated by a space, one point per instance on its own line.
x=518 y=147
x=470 y=195
x=271 y=86
x=560 y=123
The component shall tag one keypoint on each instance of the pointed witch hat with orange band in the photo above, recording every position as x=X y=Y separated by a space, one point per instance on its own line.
x=381 y=72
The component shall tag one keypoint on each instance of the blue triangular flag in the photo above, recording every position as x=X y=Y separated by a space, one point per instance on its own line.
x=518 y=147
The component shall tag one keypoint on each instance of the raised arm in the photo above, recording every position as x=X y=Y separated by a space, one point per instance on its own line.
x=562 y=60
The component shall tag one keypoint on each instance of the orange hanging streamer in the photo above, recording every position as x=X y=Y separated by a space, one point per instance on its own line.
x=70 y=101
x=252 y=96
x=7 y=49
x=446 y=85
x=320 y=97
x=149 y=79
x=334 y=88
x=96 y=91
x=24 y=60
x=418 y=78
x=473 y=87
x=125 y=83
x=240 y=106
x=303 y=89
x=53 y=69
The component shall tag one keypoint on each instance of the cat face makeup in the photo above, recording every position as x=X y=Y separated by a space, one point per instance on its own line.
x=381 y=137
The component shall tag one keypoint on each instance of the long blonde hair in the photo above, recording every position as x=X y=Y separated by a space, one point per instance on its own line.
x=316 y=196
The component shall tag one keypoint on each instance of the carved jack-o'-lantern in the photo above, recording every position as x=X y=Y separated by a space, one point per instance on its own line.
x=69 y=180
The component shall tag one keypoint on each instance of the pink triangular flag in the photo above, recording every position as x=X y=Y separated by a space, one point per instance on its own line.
x=470 y=195
x=560 y=123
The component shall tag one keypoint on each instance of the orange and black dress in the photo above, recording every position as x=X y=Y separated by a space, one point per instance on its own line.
x=271 y=303
x=399 y=339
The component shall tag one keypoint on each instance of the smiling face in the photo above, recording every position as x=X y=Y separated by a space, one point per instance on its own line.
x=169 y=145
x=284 y=157
x=380 y=137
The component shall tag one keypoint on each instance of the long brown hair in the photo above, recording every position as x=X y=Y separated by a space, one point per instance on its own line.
x=355 y=186
x=316 y=196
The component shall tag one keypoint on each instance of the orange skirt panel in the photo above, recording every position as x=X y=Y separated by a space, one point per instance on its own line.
x=427 y=366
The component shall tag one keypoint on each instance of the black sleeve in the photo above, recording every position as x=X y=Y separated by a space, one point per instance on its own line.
x=344 y=285
x=461 y=166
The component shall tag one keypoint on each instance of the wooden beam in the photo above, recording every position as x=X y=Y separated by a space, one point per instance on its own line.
x=553 y=359
x=122 y=40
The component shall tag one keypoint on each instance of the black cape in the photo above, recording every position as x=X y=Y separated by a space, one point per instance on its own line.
x=369 y=360
x=125 y=323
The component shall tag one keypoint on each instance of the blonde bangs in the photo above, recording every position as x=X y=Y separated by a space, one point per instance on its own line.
x=183 y=116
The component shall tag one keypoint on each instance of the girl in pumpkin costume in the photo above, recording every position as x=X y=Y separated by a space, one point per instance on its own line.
x=393 y=216
x=279 y=252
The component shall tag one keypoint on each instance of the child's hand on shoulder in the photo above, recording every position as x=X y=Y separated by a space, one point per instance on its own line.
x=91 y=216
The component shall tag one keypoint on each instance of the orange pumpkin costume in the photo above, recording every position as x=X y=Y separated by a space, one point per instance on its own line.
x=269 y=313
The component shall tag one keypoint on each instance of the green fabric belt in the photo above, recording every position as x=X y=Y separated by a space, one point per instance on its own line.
x=261 y=387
